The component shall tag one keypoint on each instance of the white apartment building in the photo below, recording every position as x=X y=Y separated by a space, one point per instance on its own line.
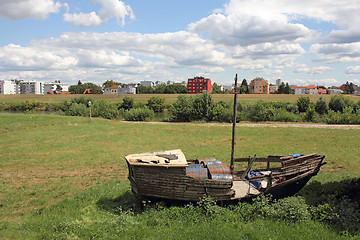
x=53 y=86
x=31 y=87
x=126 y=90
x=8 y=87
x=147 y=83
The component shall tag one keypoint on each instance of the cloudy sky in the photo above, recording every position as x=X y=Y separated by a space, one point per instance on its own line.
x=301 y=42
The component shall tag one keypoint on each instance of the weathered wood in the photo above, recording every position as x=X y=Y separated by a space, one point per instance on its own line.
x=258 y=160
x=172 y=182
x=233 y=140
x=291 y=161
x=243 y=176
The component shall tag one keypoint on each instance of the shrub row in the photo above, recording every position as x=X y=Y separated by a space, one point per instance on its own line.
x=201 y=107
x=340 y=110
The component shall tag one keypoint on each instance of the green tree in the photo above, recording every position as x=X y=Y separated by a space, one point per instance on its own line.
x=109 y=83
x=349 y=88
x=216 y=88
x=281 y=89
x=244 y=87
x=160 y=89
x=337 y=103
x=156 y=103
x=287 y=89
x=104 y=109
x=144 y=90
x=127 y=103
x=79 y=89
x=321 y=106
x=202 y=107
x=182 y=108
x=303 y=104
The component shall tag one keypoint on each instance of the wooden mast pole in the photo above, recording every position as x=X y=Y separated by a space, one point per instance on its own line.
x=233 y=141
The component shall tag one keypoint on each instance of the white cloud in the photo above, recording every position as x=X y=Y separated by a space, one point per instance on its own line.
x=105 y=58
x=109 y=9
x=353 y=70
x=303 y=68
x=318 y=82
x=31 y=58
x=21 y=9
x=243 y=29
x=337 y=53
x=83 y=19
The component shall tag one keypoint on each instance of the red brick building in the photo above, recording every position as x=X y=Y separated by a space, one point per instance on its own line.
x=259 y=86
x=198 y=85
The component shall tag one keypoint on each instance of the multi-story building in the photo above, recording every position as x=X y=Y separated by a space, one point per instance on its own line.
x=31 y=87
x=127 y=90
x=199 y=85
x=259 y=86
x=225 y=88
x=8 y=87
x=306 y=89
x=54 y=87
x=147 y=83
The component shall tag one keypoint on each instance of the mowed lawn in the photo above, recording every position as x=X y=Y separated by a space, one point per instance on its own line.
x=45 y=159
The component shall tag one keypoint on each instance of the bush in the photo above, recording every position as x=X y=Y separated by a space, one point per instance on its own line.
x=282 y=115
x=260 y=112
x=338 y=103
x=182 y=109
x=103 y=109
x=77 y=109
x=220 y=113
x=127 y=103
x=321 y=106
x=202 y=106
x=82 y=100
x=345 y=117
x=303 y=104
x=310 y=115
x=157 y=104
x=293 y=108
x=139 y=114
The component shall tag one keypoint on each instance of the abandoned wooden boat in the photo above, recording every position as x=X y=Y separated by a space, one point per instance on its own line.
x=169 y=175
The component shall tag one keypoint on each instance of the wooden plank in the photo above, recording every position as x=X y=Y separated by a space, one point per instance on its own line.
x=248 y=168
x=258 y=160
x=298 y=159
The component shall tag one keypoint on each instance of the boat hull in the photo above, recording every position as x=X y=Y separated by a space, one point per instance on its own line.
x=174 y=181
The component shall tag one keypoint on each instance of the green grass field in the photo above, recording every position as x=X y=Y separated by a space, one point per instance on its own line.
x=64 y=178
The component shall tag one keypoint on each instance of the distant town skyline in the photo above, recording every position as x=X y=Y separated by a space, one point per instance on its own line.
x=300 y=42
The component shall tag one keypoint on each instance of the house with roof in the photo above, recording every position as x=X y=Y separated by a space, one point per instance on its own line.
x=112 y=90
x=312 y=89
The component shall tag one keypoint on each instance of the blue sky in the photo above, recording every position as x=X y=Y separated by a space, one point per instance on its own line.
x=301 y=42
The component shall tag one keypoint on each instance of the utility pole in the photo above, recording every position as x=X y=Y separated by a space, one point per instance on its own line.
x=233 y=142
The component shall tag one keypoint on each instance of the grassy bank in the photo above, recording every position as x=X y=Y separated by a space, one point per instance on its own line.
x=63 y=177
